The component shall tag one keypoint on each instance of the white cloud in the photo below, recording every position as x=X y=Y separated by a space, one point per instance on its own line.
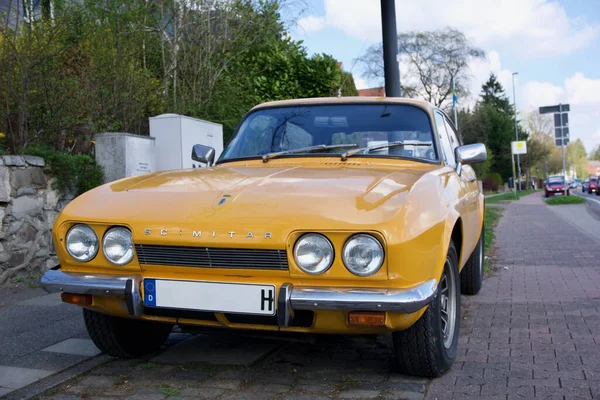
x=531 y=28
x=581 y=93
x=310 y=24
x=360 y=83
x=536 y=94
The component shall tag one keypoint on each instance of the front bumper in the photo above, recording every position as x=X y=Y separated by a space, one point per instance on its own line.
x=290 y=297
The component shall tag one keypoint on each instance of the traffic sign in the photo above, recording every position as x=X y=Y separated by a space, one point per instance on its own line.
x=559 y=142
x=555 y=109
x=519 y=147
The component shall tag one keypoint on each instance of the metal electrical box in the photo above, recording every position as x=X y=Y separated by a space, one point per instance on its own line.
x=176 y=134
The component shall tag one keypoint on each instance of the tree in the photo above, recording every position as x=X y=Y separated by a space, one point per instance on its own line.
x=430 y=61
x=595 y=154
x=576 y=157
x=539 y=144
x=492 y=122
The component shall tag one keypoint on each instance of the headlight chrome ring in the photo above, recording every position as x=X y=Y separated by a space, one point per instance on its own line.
x=82 y=242
x=363 y=254
x=313 y=253
x=117 y=245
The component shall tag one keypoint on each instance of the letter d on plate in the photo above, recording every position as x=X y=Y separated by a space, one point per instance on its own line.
x=150 y=292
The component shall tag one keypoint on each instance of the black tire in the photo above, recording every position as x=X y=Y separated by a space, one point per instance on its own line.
x=421 y=349
x=125 y=338
x=471 y=276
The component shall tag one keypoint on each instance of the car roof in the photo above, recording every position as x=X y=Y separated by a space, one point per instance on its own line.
x=345 y=100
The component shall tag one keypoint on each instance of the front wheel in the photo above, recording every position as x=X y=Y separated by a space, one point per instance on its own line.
x=471 y=276
x=125 y=338
x=428 y=348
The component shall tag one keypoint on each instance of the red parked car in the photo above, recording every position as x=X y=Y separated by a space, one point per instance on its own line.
x=593 y=185
x=555 y=186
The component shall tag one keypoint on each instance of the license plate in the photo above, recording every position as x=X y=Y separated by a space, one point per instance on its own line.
x=210 y=296
x=558 y=194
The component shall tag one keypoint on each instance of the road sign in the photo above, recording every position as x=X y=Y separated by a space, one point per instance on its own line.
x=555 y=109
x=519 y=147
x=559 y=142
x=561 y=132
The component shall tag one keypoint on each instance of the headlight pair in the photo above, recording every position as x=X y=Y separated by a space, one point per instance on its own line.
x=117 y=245
x=362 y=254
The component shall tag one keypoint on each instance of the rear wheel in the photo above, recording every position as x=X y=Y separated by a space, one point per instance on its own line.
x=125 y=338
x=471 y=276
x=428 y=348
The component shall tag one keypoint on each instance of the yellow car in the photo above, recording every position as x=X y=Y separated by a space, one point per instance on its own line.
x=337 y=216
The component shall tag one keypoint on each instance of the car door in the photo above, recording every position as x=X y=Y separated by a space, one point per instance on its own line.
x=469 y=180
x=447 y=149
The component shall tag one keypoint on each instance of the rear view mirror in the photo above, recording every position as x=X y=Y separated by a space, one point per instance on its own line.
x=471 y=153
x=203 y=154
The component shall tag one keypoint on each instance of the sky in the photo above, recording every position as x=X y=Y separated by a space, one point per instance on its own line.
x=553 y=45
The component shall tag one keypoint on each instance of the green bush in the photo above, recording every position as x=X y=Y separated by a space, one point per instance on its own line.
x=492 y=181
x=74 y=173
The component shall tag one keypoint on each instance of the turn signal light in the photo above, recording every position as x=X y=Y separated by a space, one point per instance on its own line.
x=366 y=318
x=79 y=299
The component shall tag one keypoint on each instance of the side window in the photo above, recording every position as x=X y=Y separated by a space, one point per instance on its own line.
x=447 y=149
x=452 y=134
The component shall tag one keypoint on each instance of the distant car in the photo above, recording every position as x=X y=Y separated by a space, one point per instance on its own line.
x=585 y=185
x=577 y=182
x=572 y=185
x=593 y=185
x=556 y=186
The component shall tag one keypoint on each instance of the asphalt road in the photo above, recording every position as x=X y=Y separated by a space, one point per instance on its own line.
x=593 y=204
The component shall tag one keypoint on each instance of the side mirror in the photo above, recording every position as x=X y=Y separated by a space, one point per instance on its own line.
x=203 y=154
x=469 y=154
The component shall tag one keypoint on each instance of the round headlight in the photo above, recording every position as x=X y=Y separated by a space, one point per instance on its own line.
x=313 y=253
x=82 y=242
x=117 y=245
x=362 y=255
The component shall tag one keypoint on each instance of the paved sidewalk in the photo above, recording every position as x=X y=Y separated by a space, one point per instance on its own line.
x=534 y=329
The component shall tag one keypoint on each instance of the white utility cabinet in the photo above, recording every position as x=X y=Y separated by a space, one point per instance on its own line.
x=176 y=134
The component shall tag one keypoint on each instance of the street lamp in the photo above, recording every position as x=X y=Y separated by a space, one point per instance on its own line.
x=516 y=130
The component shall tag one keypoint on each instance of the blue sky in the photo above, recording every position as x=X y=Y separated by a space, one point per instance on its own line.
x=553 y=45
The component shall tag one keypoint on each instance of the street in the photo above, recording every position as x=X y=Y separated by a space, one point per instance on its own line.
x=533 y=331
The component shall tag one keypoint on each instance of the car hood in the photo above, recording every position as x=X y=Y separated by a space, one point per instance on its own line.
x=252 y=198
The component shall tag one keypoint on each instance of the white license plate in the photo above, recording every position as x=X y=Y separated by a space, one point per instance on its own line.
x=558 y=193
x=210 y=296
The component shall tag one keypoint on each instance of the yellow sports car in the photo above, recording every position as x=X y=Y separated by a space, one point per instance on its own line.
x=340 y=215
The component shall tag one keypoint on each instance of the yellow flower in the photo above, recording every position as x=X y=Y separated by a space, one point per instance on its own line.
x=2 y=135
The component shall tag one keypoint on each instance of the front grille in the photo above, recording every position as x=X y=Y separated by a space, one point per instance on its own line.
x=211 y=257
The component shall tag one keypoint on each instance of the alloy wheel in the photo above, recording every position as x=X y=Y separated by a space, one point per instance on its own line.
x=448 y=304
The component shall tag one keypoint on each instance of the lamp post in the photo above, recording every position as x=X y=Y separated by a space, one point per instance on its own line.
x=390 y=48
x=516 y=130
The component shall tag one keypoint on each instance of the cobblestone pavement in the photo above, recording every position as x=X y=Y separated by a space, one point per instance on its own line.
x=534 y=329
x=332 y=367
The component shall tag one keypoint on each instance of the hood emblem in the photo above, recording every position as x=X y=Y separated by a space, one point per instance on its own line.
x=223 y=200
x=212 y=234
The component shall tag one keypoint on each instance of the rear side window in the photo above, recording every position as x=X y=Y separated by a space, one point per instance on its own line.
x=447 y=146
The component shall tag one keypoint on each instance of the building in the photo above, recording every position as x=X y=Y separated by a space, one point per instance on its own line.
x=372 y=92
x=592 y=168
x=18 y=11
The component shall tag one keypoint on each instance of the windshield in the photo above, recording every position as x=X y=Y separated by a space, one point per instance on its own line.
x=593 y=179
x=556 y=179
x=356 y=125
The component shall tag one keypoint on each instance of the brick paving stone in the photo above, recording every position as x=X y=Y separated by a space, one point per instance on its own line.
x=533 y=330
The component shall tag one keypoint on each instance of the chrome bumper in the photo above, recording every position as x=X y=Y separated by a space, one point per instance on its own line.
x=97 y=285
x=290 y=298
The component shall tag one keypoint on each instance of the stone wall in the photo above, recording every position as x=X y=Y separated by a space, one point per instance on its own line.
x=28 y=208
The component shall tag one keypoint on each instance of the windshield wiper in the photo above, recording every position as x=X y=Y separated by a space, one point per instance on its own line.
x=320 y=147
x=382 y=146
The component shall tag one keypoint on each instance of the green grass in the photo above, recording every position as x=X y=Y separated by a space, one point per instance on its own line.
x=561 y=200
x=508 y=197
x=492 y=216
x=169 y=391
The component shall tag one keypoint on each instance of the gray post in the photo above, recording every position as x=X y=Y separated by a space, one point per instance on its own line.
x=516 y=130
x=390 y=48
x=562 y=146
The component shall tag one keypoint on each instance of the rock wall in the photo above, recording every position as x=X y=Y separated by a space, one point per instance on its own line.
x=28 y=208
